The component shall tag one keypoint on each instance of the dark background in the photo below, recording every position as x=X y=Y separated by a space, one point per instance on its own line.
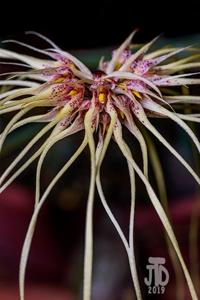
x=86 y=24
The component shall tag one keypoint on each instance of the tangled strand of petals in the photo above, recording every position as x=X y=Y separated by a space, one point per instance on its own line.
x=131 y=88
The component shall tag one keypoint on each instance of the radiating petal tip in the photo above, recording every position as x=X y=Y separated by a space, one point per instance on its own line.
x=41 y=36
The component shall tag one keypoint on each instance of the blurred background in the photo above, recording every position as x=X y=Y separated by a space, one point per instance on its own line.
x=90 y=29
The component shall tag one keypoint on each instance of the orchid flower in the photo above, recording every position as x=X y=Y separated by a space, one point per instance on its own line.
x=130 y=88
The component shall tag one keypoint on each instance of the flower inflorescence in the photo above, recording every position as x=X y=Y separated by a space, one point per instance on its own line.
x=132 y=85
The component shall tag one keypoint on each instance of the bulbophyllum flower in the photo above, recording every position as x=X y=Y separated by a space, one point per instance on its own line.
x=132 y=87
